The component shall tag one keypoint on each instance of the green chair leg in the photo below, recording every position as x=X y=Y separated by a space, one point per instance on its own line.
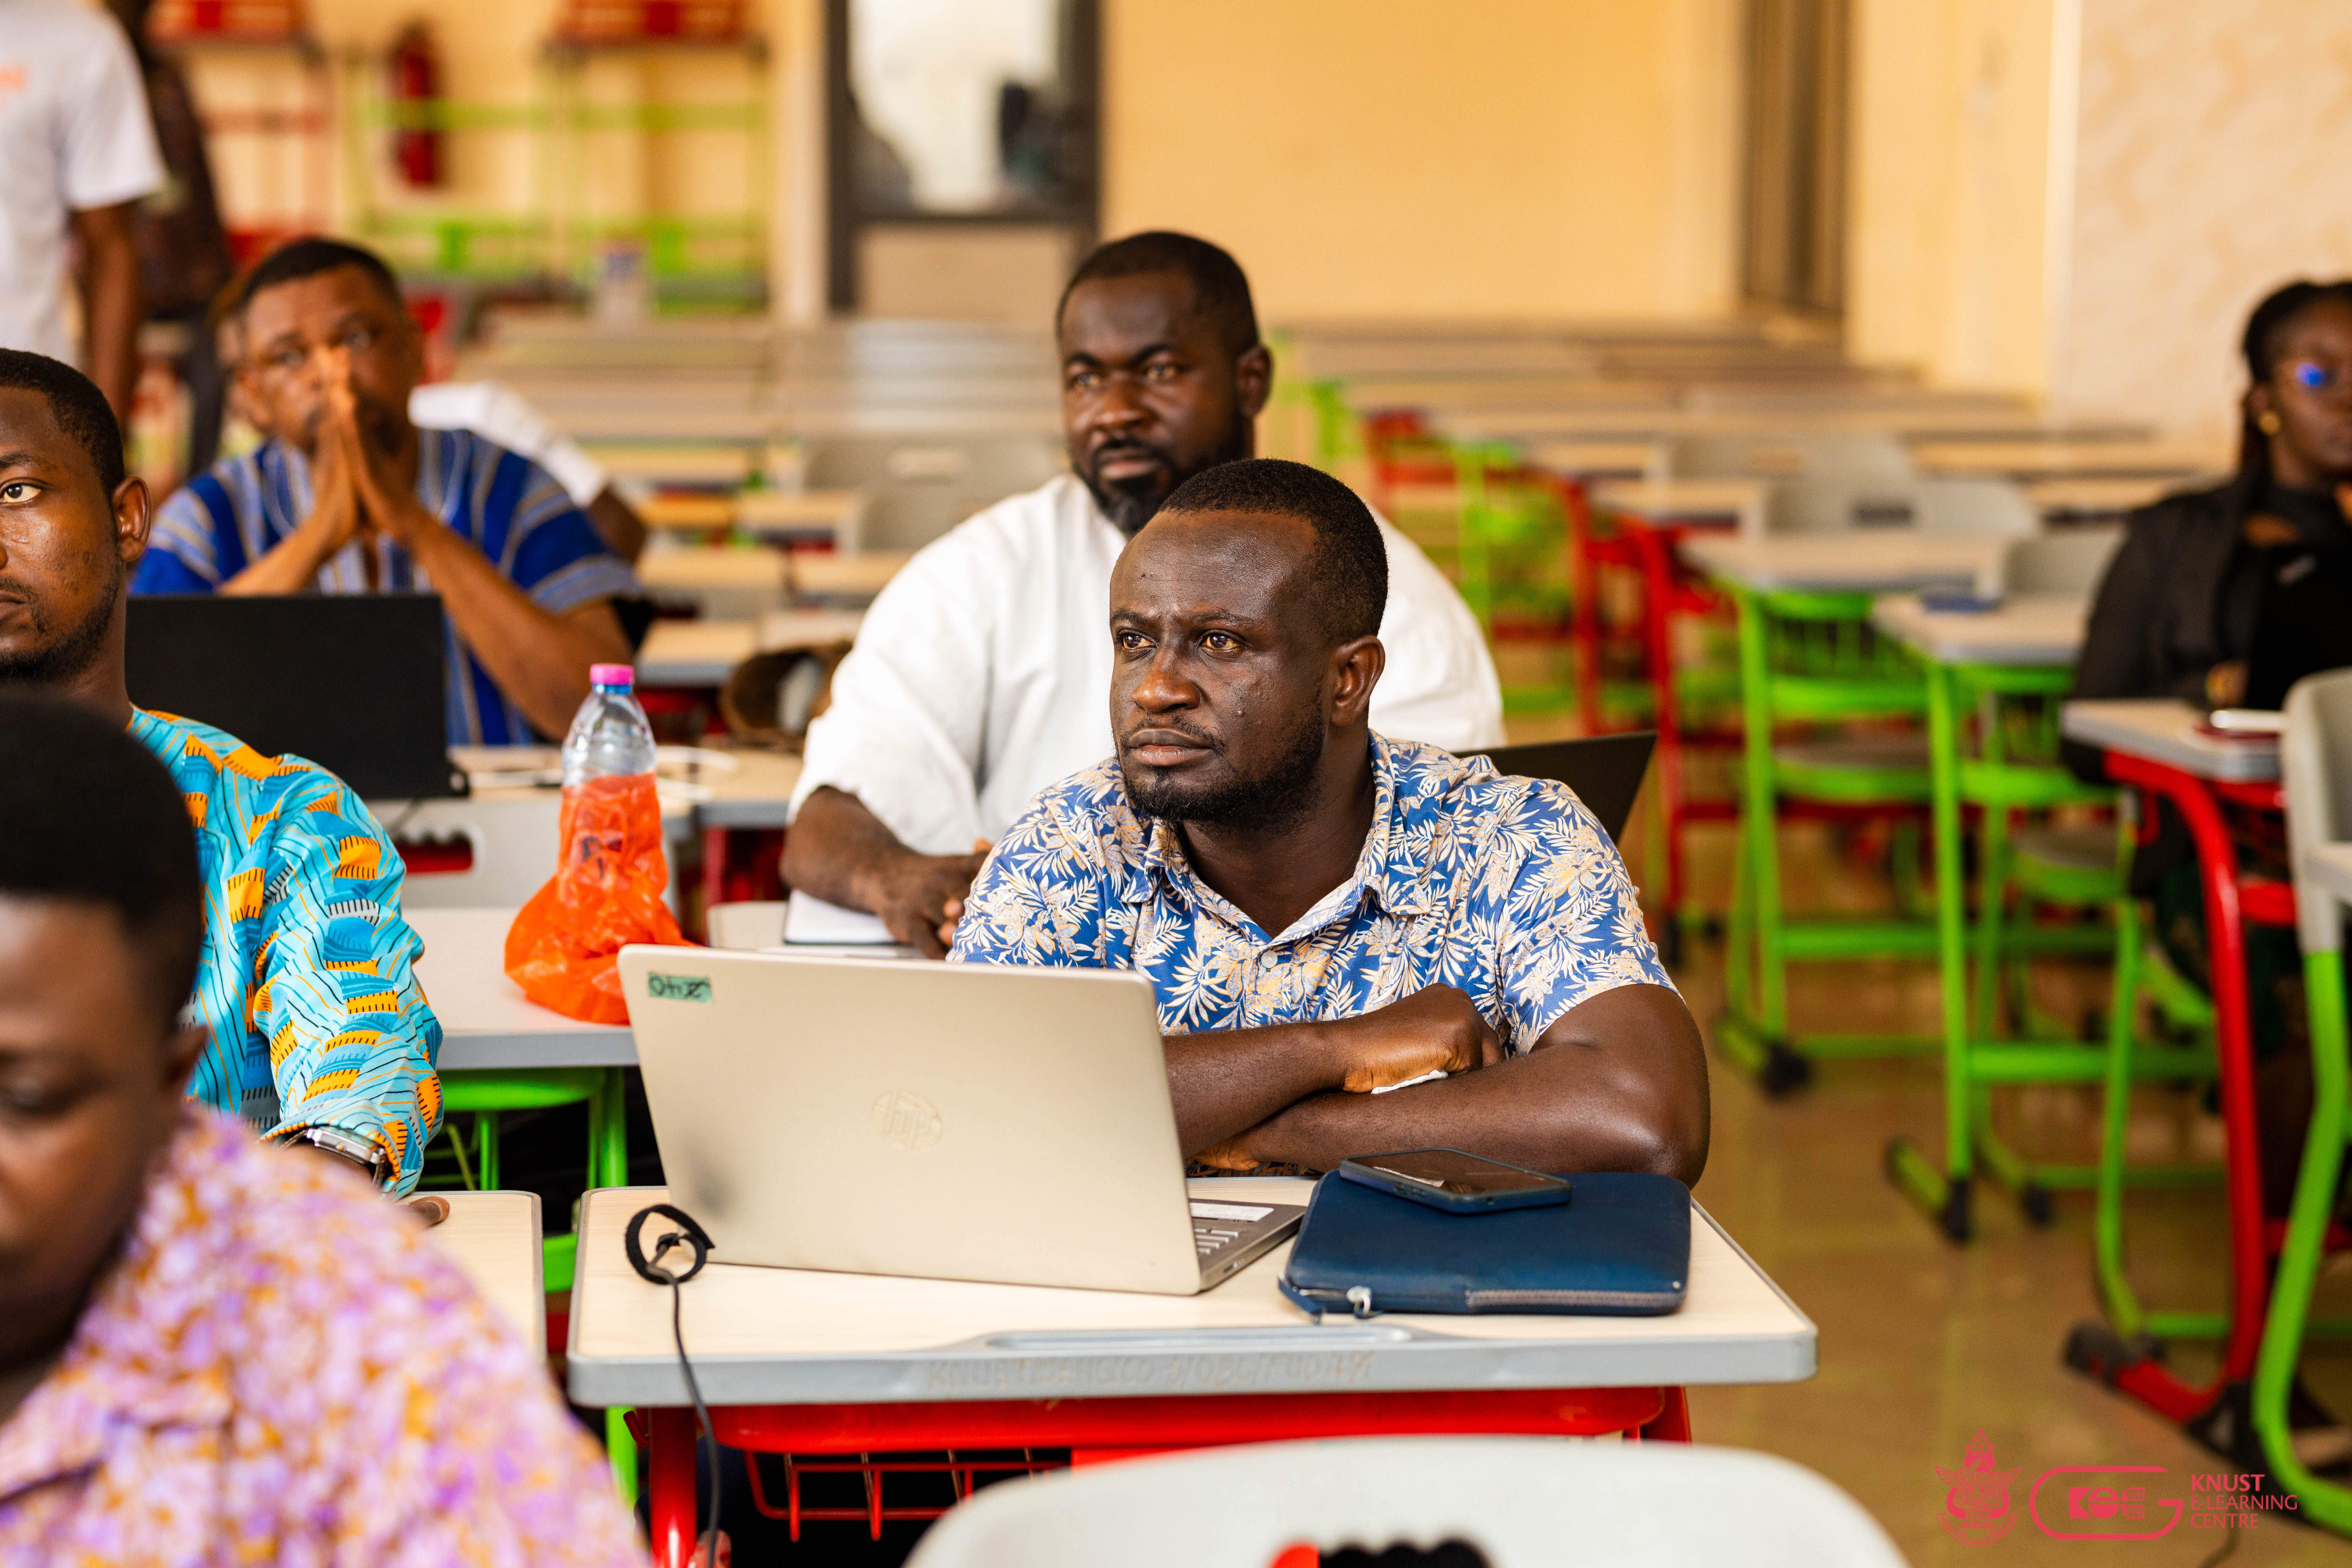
x=2325 y=1502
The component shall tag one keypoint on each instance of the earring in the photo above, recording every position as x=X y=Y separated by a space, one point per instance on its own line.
x=2267 y=423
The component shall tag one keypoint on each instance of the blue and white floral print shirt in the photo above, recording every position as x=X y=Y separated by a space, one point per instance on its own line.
x=1504 y=887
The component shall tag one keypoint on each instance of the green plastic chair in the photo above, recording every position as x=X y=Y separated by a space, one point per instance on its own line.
x=1812 y=658
x=2317 y=760
x=2011 y=772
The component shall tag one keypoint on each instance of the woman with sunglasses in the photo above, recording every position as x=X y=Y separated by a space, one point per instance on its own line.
x=2225 y=597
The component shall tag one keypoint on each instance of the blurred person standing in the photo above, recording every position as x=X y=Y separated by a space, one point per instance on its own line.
x=184 y=252
x=77 y=153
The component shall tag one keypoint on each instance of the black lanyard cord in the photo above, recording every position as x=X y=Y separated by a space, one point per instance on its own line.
x=697 y=1240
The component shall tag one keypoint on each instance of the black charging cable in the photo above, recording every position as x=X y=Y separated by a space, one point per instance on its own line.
x=697 y=1240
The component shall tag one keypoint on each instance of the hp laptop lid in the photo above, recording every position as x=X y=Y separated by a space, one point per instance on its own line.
x=958 y=1122
x=1606 y=770
x=353 y=682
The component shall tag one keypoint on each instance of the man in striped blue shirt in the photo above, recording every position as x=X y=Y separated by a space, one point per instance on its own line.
x=348 y=496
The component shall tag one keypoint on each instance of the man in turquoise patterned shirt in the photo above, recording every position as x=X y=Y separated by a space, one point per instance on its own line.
x=319 y=1034
x=1326 y=914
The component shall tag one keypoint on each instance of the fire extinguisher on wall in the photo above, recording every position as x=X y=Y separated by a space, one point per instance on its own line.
x=415 y=80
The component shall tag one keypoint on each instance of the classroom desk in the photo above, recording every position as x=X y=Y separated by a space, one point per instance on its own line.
x=850 y=576
x=723 y=582
x=2024 y=649
x=795 y=512
x=494 y=1238
x=2157 y=746
x=486 y=1023
x=701 y=787
x=804 y=1361
x=2027 y=629
x=2097 y=498
x=1861 y=560
x=2068 y=460
x=1659 y=502
x=2162 y=731
x=705 y=653
x=1596 y=460
x=696 y=653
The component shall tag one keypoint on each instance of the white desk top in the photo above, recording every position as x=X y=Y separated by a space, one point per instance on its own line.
x=2166 y=731
x=1857 y=560
x=1591 y=459
x=786 y=1336
x=705 y=652
x=486 y=1020
x=1687 y=500
x=2028 y=629
x=2068 y=460
x=693 y=567
x=705 y=787
x=494 y=1237
x=844 y=574
x=695 y=653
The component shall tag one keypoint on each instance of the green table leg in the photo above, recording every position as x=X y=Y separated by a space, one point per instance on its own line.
x=1944 y=1194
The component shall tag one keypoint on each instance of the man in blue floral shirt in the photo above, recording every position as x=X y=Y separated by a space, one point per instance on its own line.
x=1327 y=914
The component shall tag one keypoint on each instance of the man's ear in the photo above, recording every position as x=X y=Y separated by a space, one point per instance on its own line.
x=182 y=1046
x=1253 y=380
x=1356 y=668
x=134 y=516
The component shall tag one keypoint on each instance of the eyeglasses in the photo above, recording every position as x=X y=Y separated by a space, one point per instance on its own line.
x=2314 y=377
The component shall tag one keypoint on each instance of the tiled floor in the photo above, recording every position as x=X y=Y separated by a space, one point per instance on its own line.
x=1923 y=1343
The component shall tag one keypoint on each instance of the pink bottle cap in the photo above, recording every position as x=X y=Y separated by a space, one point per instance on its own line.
x=619 y=675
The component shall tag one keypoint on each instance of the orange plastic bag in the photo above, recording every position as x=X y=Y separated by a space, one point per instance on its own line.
x=607 y=893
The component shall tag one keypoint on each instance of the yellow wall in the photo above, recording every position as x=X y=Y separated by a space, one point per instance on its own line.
x=1947 y=264
x=1499 y=158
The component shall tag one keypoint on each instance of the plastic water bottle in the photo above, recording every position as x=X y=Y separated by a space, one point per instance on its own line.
x=609 y=737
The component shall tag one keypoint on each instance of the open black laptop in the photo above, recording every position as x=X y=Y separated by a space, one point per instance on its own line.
x=1606 y=770
x=356 y=683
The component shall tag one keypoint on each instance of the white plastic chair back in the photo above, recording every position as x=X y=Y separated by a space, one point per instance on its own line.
x=1849 y=455
x=1977 y=508
x=2069 y=563
x=513 y=842
x=1836 y=504
x=1525 y=1502
x=2316 y=758
x=746 y=926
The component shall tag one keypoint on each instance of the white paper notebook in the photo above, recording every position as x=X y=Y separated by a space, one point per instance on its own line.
x=813 y=922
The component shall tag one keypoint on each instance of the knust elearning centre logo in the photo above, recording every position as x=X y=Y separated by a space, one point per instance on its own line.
x=1976 y=1496
x=2099 y=1502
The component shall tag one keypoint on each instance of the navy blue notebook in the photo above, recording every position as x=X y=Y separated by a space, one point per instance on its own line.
x=1619 y=1248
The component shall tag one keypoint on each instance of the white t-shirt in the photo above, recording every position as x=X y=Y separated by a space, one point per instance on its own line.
x=493 y=409
x=74 y=134
x=983 y=672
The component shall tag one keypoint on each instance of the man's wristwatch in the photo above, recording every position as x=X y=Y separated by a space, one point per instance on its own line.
x=369 y=1157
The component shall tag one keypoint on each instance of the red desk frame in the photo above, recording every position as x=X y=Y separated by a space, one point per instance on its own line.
x=1099 y=1429
x=2229 y=902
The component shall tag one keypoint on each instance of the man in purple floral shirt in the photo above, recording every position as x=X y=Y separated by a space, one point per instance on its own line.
x=213 y=1351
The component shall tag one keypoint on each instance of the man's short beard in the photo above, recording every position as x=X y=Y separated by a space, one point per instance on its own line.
x=1276 y=799
x=68 y=657
x=1130 y=510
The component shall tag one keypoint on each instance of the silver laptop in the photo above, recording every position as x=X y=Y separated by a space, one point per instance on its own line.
x=956 y=1122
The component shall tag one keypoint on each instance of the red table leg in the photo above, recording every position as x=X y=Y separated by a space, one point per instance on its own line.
x=2217 y=867
x=669 y=1489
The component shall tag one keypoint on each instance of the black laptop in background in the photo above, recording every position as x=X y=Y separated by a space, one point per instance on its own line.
x=356 y=683
x=1606 y=770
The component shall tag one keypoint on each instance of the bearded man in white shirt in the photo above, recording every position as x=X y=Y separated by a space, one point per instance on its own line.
x=983 y=673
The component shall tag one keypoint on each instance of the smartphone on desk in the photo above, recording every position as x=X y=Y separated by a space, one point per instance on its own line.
x=1452 y=1179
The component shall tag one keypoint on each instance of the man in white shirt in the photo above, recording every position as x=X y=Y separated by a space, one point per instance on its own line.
x=983 y=673
x=77 y=151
